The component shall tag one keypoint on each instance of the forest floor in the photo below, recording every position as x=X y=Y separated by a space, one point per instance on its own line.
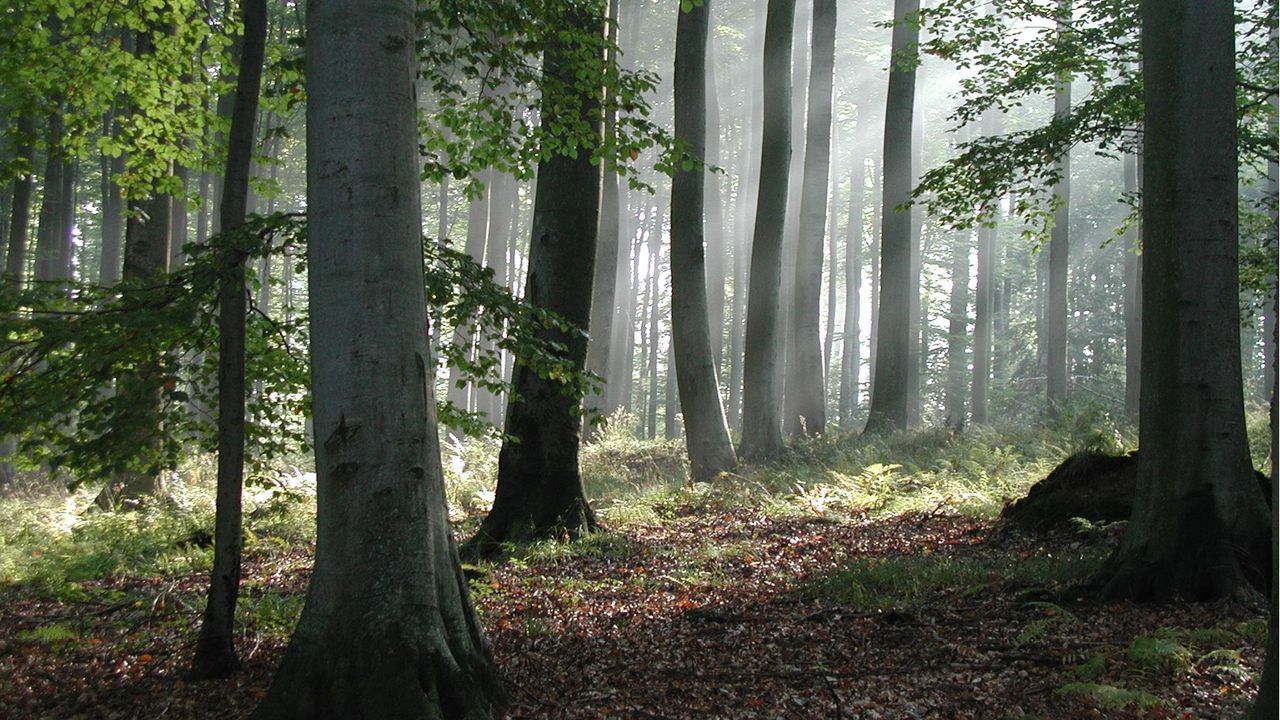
x=694 y=603
x=737 y=614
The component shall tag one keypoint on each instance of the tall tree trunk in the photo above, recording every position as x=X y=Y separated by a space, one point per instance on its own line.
x=1200 y=528
x=605 y=283
x=178 y=217
x=655 y=294
x=806 y=397
x=459 y=389
x=1132 y=300
x=146 y=263
x=889 y=391
x=917 y=313
x=670 y=430
x=832 y=274
x=850 y=360
x=501 y=208
x=706 y=430
x=15 y=261
x=539 y=491
x=745 y=212
x=215 y=654
x=1056 y=370
x=717 y=252
x=761 y=406
x=877 y=227
x=112 y=210
x=957 y=333
x=53 y=234
x=388 y=629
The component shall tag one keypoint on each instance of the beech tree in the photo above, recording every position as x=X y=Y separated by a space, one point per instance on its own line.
x=388 y=629
x=761 y=387
x=539 y=490
x=1200 y=529
x=215 y=654
x=1056 y=371
x=806 y=371
x=892 y=326
x=706 y=430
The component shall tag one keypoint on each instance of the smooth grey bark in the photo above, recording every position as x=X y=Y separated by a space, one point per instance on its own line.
x=957 y=334
x=1132 y=300
x=15 y=267
x=917 y=312
x=670 y=429
x=459 y=391
x=791 y=224
x=877 y=227
x=850 y=356
x=1056 y=371
x=806 y=397
x=501 y=209
x=388 y=630
x=761 y=401
x=1200 y=529
x=650 y=346
x=215 y=654
x=984 y=307
x=605 y=281
x=539 y=491
x=717 y=251
x=889 y=392
x=747 y=196
x=833 y=266
x=178 y=216
x=706 y=430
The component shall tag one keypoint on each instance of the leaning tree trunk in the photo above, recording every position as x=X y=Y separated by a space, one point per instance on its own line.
x=215 y=654
x=806 y=397
x=539 y=491
x=706 y=430
x=1056 y=372
x=761 y=391
x=388 y=630
x=892 y=352
x=1199 y=528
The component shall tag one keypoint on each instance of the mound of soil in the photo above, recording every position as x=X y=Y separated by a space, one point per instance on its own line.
x=1088 y=485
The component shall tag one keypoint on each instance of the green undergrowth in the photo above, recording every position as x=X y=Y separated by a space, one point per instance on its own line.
x=904 y=581
x=1119 y=676
x=58 y=544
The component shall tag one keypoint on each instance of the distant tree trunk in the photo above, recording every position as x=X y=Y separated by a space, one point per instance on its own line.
x=605 y=283
x=178 y=217
x=539 y=491
x=957 y=333
x=889 y=391
x=761 y=411
x=621 y=356
x=388 y=630
x=1132 y=300
x=53 y=233
x=15 y=267
x=877 y=227
x=706 y=430
x=669 y=425
x=806 y=386
x=112 y=211
x=745 y=212
x=833 y=266
x=215 y=654
x=651 y=347
x=917 y=313
x=850 y=359
x=459 y=389
x=1056 y=370
x=1200 y=528
x=501 y=208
